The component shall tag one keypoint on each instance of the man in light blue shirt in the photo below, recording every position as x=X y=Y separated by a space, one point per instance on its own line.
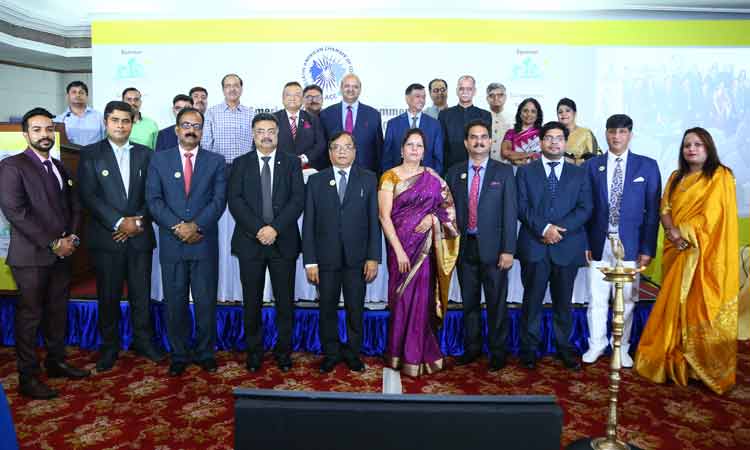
x=83 y=125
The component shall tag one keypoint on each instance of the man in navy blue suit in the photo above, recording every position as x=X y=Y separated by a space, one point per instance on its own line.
x=299 y=131
x=167 y=138
x=341 y=243
x=626 y=190
x=186 y=194
x=413 y=118
x=356 y=118
x=554 y=203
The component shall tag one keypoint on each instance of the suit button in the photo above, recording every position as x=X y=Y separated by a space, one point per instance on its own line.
x=187 y=211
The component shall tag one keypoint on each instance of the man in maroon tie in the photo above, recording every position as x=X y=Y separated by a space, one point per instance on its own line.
x=37 y=198
x=300 y=132
x=485 y=194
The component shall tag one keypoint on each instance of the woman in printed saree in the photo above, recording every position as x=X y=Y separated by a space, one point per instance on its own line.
x=581 y=144
x=692 y=329
x=418 y=219
x=521 y=143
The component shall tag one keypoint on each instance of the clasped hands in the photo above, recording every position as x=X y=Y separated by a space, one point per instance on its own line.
x=66 y=246
x=553 y=234
x=187 y=232
x=370 y=271
x=267 y=235
x=127 y=229
x=675 y=237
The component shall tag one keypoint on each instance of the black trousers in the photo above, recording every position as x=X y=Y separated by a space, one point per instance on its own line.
x=252 y=276
x=473 y=275
x=43 y=300
x=112 y=269
x=351 y=281
x=535 y=276
x=201 y=276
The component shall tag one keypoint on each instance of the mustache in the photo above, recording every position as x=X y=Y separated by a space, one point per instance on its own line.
x=191 y=135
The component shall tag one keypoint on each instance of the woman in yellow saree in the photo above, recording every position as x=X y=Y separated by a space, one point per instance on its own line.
x=692 y=329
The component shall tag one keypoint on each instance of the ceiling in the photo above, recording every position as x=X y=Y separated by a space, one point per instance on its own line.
x=55 y=34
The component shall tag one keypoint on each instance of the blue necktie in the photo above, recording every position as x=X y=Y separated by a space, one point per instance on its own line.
x=552 y=180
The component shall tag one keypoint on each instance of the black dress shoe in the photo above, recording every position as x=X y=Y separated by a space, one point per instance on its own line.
x=254 y=361
x=64 y=370
x=36 y=389
x=284 y=362
x=209 y=365
x=106 y=361
x=354 y=363
x=467 y=358
x=528 y=361
x=570 y=361
x=177 y=368
x=329 y=363
x=497 y=362
x=150 y=352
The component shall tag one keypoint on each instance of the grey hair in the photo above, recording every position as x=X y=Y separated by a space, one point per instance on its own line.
x=492 y=86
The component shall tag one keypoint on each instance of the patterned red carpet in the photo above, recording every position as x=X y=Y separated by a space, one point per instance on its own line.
x=138 y=406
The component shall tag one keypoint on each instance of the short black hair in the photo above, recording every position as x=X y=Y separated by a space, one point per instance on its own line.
x=310 y=87
x=429 y=85
x=264 y=116
x=476 y=123
x=620 y=121
x=131 y=88
x=189 y=109
x=230 y=75
x=565 y=101
x=117 y=105
x=554 y=125
x=32 y=113
x=414 y=87
x=182 y=98
x=197 y=89
x=411 y=132
x=79 y=84
x=292 y=83
x=338 y=135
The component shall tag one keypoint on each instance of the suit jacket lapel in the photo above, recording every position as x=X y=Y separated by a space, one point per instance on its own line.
x=135 y=175
x=463 y=192
x=110 y=160
x=488 y=174
x=280 y=165
x=352 y=185
x=603 y=189
x=631 y=168
x=339 y=120
x=175 y=165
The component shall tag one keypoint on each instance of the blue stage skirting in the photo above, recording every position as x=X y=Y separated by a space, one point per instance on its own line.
x=82 y=329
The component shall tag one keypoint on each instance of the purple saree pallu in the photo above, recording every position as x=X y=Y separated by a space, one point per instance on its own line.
x=417 y=299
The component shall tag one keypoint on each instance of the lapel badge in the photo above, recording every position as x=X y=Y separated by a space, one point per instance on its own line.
x=70 y=182
x=332 y=182
x=105 y=173
x=602 y=168
x=463 y=176
x=177 y=174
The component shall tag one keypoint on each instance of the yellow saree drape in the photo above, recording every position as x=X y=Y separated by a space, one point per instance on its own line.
x=692 y=329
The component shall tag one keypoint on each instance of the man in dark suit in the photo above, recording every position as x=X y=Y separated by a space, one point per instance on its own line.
x=266 y=197
x=167 y=138
x=37 y=199
x=454 y=119
x=554 y=203
x=300 y=131
x=626 y=190
x=341 y=243
x=413 y=118
x=485 y=194
x=186 y=194
x=360 y=120
x=112 y=185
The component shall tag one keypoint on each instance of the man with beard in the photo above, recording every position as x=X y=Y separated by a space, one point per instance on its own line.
x=37 y=199
x=186 y=195
x=144 y=130
x=266 y=197
x=439 y=94
x=313 y=99
x=200 y=98
x=454 y=120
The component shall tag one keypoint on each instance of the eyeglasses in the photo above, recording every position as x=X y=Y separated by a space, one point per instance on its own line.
x=438 y=90
x=554 y=139
x=342 y=148
x=263 y=132
x=188 y=125
x=317 y=98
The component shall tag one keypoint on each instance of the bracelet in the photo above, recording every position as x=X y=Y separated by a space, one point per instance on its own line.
x=55 y=245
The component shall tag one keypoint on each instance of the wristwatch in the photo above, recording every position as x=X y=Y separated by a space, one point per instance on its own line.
x=138 y=223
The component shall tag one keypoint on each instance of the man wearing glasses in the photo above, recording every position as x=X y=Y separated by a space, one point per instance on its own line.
x=299 y=131
x=439 y=94
x=312 y=96
x=186 y=195
x=496 y=98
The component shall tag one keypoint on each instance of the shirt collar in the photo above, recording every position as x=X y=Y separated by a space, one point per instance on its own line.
x=354 y=105
x=49 y=158
x=546 y=160
x=117 y=148
x=240 y=106
x=183 y=151
x=483 y=164
x=68 y=112
x=290 y=114
x=611 y=157
x=345 y=169
x=409 y=115
x=272 y=155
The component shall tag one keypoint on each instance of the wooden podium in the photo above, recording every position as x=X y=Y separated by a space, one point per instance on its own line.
x=69 y=155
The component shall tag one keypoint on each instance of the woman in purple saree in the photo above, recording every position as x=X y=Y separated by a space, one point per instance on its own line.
x=418 y=218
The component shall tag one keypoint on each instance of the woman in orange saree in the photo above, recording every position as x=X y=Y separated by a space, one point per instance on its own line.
x=692 y=329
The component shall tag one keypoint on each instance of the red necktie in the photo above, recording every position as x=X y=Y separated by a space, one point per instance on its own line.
x=349 y=125
x=474 y=198
x=293 y=126
x=188 y=172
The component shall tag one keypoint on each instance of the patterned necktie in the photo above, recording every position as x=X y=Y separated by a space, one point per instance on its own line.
x=615 y=194
x=342 y=185
x=349 y=125
x=188 y=172
x=474 y=198
x=552 y=180
x=265 y=187
x=293 y=126
x=414 y=122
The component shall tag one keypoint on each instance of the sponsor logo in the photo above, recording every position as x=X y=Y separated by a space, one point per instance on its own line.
x=326 y=66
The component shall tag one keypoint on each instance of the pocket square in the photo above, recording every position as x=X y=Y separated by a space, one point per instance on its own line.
x=305 y=125
x=495 y=183
x=639 y=180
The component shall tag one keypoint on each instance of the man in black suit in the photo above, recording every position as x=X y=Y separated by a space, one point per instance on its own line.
x=554 y=204
x=299 y=130
x=485 y=194
x=112 y=185
x=341 y=243
x=266 y=197
x=37 y=197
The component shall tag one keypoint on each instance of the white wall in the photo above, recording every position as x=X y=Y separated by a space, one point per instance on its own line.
x=22 y=89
